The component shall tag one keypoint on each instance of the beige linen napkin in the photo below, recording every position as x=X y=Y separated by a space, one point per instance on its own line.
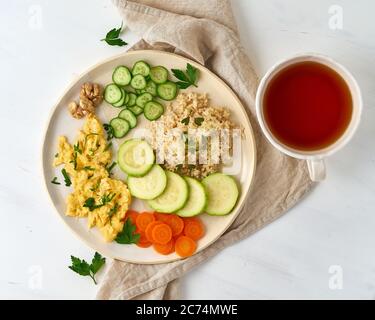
x=206 y=32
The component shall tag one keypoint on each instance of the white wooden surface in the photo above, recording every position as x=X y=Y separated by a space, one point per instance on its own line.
x=45 y=44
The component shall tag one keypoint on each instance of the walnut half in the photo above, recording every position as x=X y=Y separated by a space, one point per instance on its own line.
x=92 y=92
x=90 y=96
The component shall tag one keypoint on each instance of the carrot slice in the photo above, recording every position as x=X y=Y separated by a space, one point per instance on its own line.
x=162 y=216
x=143 y=242
x=176 y=224
x=149 y=229
x=165 y=249
x=143 y=220
x=191 y=219
x=194 y=229
x=185 y=246
x=132 y=215
x=161 y=233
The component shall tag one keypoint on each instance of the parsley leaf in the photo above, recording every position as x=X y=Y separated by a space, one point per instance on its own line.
x=84 y=269
x=67 y=180
x=128 y=235
x=198 y=121
x=54 y=181
x=185 y=121
x=187 y=78
x=90 y=203
x=112 y=37
x=96 y=263
x=109 y=129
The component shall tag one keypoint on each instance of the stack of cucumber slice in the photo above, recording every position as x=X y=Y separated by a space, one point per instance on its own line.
x=168 y=192
x=137 y=91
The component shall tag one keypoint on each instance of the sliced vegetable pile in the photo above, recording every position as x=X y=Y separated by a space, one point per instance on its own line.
x=167 y=233
x=138 y=91
x=168 y=192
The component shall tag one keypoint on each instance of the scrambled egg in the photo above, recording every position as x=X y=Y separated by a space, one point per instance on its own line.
x=103 y=200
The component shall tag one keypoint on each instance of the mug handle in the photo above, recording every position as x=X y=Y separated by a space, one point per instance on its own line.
x=317 y=169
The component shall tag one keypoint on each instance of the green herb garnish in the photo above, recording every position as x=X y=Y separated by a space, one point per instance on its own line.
x=89 y=135
x=90 y=202
x=113 y=210
x=112 y=37
x=67 y=180
x=56 y=155
x=128 y=235
x=187 y=78
x=110 y=168
x=88 y=168
x=76 y=150
x=96 y=187
x=109 y=145
x=185 y=121
x=84 y=269
x=198 y=121
x=109 y=130
x=54 y=181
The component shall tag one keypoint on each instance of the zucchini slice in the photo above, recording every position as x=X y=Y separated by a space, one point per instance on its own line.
x=174 y=196
x=197 y=199
x=135 y=157
x=222 y=192
x=150 y=185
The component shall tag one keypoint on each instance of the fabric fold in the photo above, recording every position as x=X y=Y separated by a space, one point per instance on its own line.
x=206 y=32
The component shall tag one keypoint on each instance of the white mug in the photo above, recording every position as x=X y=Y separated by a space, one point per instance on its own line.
x=315 y=158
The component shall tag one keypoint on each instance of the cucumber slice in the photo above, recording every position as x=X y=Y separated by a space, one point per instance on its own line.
x=150 y=185
x=143 y=99
x=167 y=91
x=142 y=68
x=135 y=157
x=129 y=117
x=150 y=88
x=136 y=110
x=126 y=99
x=159 y=74
x=121 y=102
x=197 y=199
x=121 y=76
x=112 y=93
x=222 y=192
x=153 y=110
x=138 y=82
x=132 y=97
x=120 y=127
x=174 y=196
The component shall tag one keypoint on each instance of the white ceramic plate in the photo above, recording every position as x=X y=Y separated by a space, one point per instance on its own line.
x=61 y=123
